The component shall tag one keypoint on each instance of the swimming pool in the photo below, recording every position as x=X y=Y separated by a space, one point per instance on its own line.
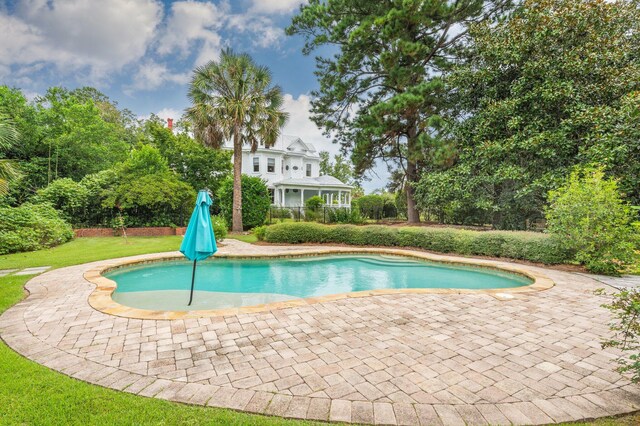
x=232 y=282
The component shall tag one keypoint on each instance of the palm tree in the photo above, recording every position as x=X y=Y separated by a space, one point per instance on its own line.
x=8 y=136
x=233 y=98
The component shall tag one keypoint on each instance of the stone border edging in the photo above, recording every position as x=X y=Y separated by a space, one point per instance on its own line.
x=101 y=300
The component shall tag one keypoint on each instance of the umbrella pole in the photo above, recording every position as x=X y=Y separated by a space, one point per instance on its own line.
x=193 y=279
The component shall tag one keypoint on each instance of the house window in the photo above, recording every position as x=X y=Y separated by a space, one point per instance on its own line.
x=308 y=170
x=271 y=165
x=256 y=164
x=295 y=167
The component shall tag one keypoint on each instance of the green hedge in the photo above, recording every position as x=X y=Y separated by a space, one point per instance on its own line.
x=535 y=247
x=255 y=201
x=31 y=227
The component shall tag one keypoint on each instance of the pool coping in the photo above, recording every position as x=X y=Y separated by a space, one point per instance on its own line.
x=101 y=300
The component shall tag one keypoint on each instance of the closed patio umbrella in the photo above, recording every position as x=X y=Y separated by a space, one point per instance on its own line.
x=199 y=241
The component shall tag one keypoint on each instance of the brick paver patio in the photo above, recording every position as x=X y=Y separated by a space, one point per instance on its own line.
x=392 y=359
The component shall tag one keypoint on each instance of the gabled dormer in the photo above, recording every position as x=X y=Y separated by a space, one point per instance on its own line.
x=299 y=146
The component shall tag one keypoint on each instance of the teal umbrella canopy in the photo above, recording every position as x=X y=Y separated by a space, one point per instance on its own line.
x=199 y=241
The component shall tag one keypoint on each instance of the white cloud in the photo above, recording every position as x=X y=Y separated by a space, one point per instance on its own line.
x=264 y=32
x=194 y=26
x=190 y=23
x=79 y=34
x=300 y=124
x=165 y=113
x=93 y=41
x=275 y=6
x=151 y=75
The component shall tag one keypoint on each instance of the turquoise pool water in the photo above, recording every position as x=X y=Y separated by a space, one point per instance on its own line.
x=222 y=283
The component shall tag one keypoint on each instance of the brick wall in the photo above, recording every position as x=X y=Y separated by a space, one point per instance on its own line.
x=158 y=231
x=93 y=232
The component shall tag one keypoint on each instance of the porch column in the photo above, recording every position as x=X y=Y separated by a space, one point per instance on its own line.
x=331 y=199
x=301 y=197
x=340 y=198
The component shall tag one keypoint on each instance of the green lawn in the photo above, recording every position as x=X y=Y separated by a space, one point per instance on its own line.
x=247 y=238
x=33 y=394
x=82 y=250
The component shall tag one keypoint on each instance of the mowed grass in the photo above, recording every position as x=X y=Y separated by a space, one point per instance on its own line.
x=83 y=250
x=247 y=238
x=34 y=395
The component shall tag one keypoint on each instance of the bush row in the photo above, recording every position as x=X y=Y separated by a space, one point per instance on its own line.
x=535 y=247
x=31 y=227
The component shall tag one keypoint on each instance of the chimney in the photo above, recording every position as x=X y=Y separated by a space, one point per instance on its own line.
x=170 y=124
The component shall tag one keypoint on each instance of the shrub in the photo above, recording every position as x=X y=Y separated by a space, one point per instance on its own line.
x=219 y=227
x=310 y=215
x=31 y=227
x=535 y=247
x=259 y=232
x=400 y=201
x=625 y=305
x=255 y=201
x=70 y=198
x=280 y=213
x=371 y=206
x=343 y=215
x=314 y=203
x=152 y=200
x=377 y=206
x=98 y=186
x=588 y=216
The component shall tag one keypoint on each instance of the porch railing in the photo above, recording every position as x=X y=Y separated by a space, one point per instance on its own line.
x=327 y=214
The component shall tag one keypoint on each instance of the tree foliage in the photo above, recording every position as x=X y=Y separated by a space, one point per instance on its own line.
x=589 y=217
x=338 y=168
x=256 y=201
x=8 y=137
x=195 y=164
x=63 y=134
x=148 y=192
x=81 y=153
x=381 y=95
x=554 y=86
x=77 y=139
x=234 y=99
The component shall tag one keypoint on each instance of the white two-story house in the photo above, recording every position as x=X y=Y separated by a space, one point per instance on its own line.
x=291 y=169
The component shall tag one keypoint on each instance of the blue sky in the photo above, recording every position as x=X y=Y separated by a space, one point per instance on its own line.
x=141 y=52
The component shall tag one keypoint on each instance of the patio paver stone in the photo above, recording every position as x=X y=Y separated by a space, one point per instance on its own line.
x=414 y=358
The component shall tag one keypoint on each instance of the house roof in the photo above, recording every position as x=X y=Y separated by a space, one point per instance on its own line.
x=320 y=181
x=285 y=144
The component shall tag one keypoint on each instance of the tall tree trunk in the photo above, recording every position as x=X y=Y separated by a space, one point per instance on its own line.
x=237 y=182
x=413 y=215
